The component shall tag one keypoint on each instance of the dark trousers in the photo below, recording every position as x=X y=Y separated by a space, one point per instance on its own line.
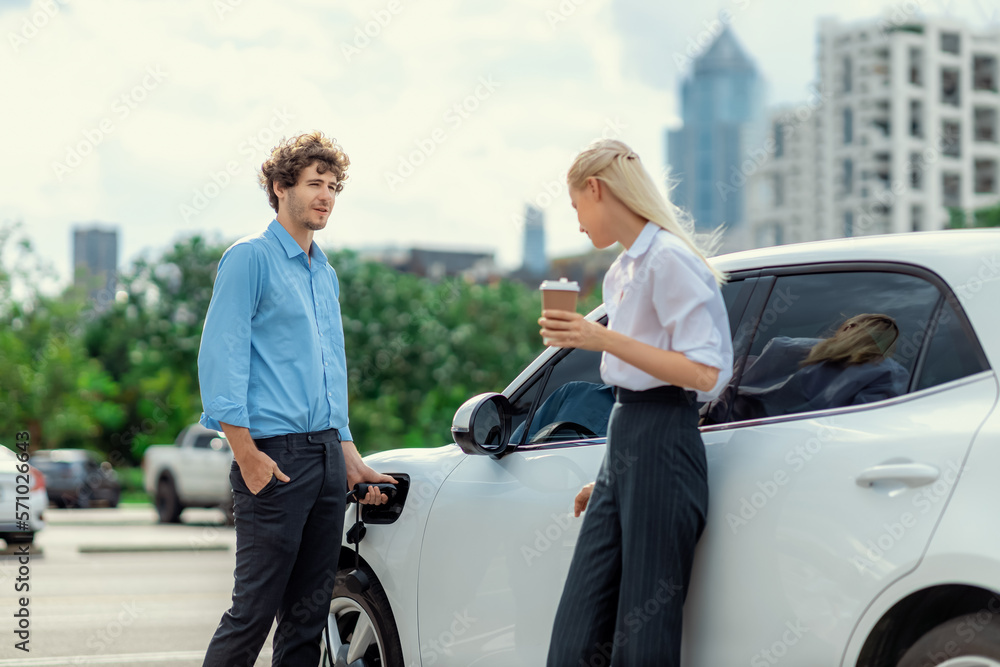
x=288 y=541
x=623 y=600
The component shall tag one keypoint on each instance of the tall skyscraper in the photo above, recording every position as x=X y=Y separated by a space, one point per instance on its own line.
x=535 y=262
x=907 y=132
x=722 y=103
x=95 y=261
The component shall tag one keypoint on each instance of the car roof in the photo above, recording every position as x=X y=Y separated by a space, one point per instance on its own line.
x=946 y=252
x=64 y=455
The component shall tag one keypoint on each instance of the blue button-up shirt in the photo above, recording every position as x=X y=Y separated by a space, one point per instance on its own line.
x=272 y=352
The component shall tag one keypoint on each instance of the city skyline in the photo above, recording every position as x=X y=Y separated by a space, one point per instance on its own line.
x=453 y=121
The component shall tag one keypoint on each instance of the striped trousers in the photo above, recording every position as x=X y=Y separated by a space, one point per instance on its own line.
x=622 y=603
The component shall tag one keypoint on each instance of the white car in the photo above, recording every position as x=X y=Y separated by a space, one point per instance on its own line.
x=22 y=498
x=192 y=472
x=855 y=528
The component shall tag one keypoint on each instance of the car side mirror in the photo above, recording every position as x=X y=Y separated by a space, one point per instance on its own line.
x=482 y=424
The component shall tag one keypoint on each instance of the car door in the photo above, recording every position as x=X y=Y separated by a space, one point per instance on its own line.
x=501 y=533
x=814 y=512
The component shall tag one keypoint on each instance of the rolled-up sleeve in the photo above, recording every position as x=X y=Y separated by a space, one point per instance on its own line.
x=685 y=305
x=224 y=355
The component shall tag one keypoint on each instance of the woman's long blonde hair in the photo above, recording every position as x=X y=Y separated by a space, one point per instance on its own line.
x=617 y=166
x=860 y=339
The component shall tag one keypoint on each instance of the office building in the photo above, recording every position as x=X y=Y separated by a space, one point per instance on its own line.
x=95 y=261
x=535 y=262
x=907 y=131
x=722 y=108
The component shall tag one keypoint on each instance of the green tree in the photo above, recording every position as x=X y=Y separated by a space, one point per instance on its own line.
x=982 y=217
x=49 y=387
x=148 y=340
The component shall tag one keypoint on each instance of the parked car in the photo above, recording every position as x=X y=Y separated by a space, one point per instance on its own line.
x=15 y=485
x=192 y=472
x=854 y=527
x=78 y=478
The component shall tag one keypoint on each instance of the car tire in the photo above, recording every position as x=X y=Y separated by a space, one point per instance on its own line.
x=366 y=619
x=168 y=505
x=953 y=643
x=19 y=538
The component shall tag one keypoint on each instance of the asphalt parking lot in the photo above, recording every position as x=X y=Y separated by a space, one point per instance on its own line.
x=112 y=587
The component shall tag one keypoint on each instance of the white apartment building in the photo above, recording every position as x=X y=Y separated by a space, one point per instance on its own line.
x=907 y=129
x=781 y=189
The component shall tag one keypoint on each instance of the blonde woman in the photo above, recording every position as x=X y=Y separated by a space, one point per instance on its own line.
x=667 y=346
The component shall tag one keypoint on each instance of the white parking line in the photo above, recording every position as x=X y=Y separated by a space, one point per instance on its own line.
x=130 y=659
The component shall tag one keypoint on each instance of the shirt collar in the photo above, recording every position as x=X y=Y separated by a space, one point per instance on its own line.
x=293 y=249
x=641 y=243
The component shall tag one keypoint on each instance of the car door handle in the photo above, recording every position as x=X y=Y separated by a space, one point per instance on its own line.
x=911 y=474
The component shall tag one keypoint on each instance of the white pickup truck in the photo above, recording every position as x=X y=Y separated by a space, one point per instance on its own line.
x=192 y=472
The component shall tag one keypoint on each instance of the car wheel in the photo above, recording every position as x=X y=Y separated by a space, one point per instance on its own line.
x=114 y=499
x=360 y=630
x=19 y=538
x=940 y=647
x=168 y=505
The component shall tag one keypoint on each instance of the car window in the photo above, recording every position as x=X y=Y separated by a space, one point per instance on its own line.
x=834 y=339
x=574 y=402
x=953 y=351
x=204 y=441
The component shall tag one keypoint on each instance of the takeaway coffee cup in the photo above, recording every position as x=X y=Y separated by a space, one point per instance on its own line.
x=559 y=294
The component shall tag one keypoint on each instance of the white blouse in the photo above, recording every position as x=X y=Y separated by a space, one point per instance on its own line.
x=661 y=293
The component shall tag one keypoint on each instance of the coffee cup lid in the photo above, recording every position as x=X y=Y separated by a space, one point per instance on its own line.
x=561 y=284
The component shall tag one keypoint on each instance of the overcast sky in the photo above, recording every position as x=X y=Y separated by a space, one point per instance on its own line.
x=153 y=116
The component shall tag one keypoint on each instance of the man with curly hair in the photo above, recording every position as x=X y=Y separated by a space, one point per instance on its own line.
x=273 y=377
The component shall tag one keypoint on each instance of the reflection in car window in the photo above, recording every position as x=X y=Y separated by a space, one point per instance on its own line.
x=953 y=353
x=833 y=339
x=582 y=366
x=521 y=406
x=575 y=411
